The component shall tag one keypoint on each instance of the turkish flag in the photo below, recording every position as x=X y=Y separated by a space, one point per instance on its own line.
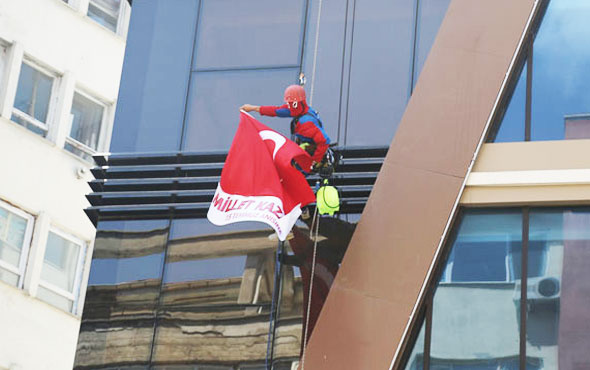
x=258 y=182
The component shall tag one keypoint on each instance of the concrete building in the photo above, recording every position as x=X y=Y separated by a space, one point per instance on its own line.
x=60 y=67
x=464 y=230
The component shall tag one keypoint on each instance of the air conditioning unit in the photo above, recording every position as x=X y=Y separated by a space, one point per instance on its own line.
x=539 y=289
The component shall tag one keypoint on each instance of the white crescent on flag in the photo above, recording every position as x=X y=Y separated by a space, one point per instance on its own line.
x=278 y=139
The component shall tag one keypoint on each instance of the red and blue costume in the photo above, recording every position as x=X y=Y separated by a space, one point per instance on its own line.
x=306 y=126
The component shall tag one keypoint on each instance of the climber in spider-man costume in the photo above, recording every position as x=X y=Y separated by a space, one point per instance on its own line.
x=306 y=127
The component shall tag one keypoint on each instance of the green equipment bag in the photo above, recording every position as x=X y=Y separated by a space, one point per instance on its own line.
x=327 y=200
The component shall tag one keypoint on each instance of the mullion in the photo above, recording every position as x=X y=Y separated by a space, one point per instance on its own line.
x=428 y=331
x=523 y=286
x=529 y=83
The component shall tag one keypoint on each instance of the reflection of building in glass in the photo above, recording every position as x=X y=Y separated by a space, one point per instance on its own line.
x=210 y=305
x=577 y=126
x=471 y=247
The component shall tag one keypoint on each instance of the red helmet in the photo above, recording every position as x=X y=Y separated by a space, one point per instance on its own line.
x=294 y=93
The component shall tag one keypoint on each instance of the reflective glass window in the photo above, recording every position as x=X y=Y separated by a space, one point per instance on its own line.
x=561 y=61
x=15 y=236
x=330 y=58
x=416 y=359
x=154 y=82
x=511 y=126
x=292 y=322
x=123 y=291
x=212 y=122
x=380 y=70
x=557 y=323
x=255 y=33
x=475 y=318
x=33 y=94
x=430 y=16
x=216 y=293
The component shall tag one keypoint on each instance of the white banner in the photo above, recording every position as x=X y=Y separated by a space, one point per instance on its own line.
x=229 y=208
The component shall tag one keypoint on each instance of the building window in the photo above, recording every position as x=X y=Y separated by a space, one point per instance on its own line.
x=105 y=12
x=62 y=270
x=33 y=98
x=3 y=58
x=15 y=237
x=553 y=84
x=87 y=121
x=477 y=323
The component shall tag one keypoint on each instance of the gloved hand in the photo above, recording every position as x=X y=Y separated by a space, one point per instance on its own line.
x=250 y=108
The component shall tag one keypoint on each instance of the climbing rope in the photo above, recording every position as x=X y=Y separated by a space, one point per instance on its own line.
x=315 y=248
x=315 y=52
x=315 y=221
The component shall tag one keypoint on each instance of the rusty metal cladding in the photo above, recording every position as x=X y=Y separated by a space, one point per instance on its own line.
x=373 y=296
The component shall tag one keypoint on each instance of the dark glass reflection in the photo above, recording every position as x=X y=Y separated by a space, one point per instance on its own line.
x=557 y=315
x=254 y=33
x=156 y=70
x=381 y=68
x=511 y=127
x=330 y=58
x=416 y=359
x=293 y=322
x=561 y=61
x=123 y=290
x=215 y=99
x=475 y=314
x=215 y=300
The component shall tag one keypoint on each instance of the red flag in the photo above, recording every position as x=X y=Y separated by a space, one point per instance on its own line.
x=258 y=182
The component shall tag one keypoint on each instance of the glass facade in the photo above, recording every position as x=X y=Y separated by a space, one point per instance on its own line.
x=477 y=305
x=182 y=293
x=185 y=292
x=555 y=89
x=123 y=292
x=185 y=95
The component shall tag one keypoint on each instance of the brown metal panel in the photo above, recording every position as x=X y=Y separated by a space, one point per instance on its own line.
x=383 y=272
x=399 y=233
x=360 y=344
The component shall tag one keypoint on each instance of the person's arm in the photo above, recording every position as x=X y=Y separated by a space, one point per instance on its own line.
x=250 y=108
x=310 y=130
x=268 y=110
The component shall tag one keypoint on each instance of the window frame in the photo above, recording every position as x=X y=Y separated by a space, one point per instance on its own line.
x=48 y=125
x=120 y=15
x=104 y=123
x=26 y=243
x=448 y=270
x=74 y=295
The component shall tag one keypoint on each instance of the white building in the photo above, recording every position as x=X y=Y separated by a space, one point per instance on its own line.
x=60 y=66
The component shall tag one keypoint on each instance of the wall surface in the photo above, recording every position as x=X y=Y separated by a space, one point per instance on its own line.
x=40 y=177
x=54 y=34
x=35 y=335
x=374 y=295
x=43 y=178
x=539 y=172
